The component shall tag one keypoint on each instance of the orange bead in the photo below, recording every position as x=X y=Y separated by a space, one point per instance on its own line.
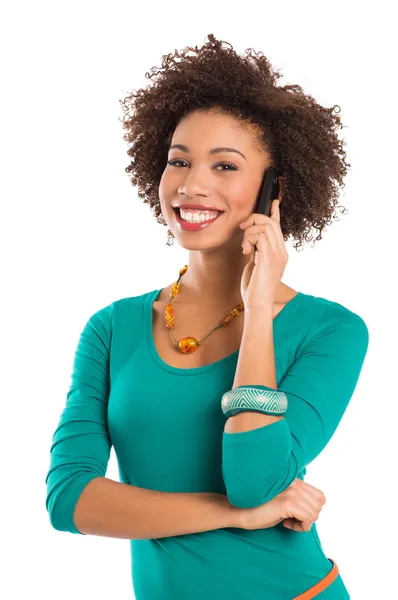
x=226 y=320
x=188 y=345
x=174 y=289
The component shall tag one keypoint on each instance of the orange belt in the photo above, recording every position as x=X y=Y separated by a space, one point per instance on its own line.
x=321 y=585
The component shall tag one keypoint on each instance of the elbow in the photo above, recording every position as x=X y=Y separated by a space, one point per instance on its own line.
x=243 y=498
x=56 y=521
x=62 y=498
x=258 y=467
x=244 y=493
x=55 y=510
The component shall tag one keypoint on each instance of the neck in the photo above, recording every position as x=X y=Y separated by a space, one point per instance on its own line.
x=213 y=279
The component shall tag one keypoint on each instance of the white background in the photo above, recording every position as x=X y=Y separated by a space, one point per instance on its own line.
x=75 y=237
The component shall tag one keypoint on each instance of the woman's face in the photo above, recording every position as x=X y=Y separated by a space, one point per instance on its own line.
x=227 y=181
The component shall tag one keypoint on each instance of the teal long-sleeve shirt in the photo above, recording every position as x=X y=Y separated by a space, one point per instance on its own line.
x=166 y=426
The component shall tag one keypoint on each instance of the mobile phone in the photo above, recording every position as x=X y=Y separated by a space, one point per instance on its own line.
x=269 y=191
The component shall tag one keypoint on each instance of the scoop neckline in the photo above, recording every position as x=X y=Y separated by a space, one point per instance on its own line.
x=152 y=296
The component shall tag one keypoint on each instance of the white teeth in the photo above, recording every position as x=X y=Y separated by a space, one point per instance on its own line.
x=198 y=216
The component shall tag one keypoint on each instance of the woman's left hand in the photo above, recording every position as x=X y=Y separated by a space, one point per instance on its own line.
x=262 y=275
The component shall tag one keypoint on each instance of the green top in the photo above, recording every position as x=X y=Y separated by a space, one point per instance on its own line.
x=167 y=429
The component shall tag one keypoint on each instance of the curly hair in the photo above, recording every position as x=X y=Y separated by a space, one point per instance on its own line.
x=299 y=134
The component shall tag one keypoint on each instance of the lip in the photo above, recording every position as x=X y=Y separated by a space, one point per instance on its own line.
x=197 y=207
x=193 y=226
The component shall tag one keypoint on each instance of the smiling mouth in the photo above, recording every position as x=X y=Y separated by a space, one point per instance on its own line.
x=194 y=225
x=178 y=212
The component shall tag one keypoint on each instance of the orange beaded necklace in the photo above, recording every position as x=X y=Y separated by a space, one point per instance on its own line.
x=190 y=344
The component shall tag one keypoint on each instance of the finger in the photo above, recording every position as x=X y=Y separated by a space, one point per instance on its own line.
x=289 y=523
x=266 y=230
x=311 y=500
x=259 y=239
x=275 y=212
x=272 y=236
x=250 y=238
x=275 y=220
x=254 y=219
x=297 y=525
x=279 y=236
x=304 y=485
x=303 y=510
x=250 y=241
x=293 y=524
x=305 y=525
x=259 y=220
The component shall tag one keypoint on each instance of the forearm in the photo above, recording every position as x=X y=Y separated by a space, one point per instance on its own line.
x=113 y=509
x=256 y=447
x=256 y=365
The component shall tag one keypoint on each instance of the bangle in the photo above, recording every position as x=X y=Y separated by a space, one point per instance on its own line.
x=256 y=398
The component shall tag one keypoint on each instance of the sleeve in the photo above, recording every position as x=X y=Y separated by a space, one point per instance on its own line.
x=259 y=464
x=81 y=443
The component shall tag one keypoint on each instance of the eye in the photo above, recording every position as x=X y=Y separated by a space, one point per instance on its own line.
x=174 y=162
x=231 y=166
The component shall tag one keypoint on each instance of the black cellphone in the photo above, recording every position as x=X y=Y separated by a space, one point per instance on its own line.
x=269 y=191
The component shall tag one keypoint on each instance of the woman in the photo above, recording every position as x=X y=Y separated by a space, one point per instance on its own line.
x=213 y=433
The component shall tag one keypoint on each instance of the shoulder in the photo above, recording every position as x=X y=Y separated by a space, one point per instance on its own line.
x=330 y=320
x=120 y=308
x=331 y=313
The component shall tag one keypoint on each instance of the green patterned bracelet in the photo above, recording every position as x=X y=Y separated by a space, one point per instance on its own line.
x=253 y=398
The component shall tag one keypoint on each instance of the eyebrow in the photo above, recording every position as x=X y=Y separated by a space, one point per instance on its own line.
x=212 y=151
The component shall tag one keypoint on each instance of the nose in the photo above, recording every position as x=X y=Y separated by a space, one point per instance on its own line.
x=194 y=184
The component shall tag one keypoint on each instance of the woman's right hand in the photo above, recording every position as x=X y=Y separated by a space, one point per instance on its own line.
x=298 y=506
